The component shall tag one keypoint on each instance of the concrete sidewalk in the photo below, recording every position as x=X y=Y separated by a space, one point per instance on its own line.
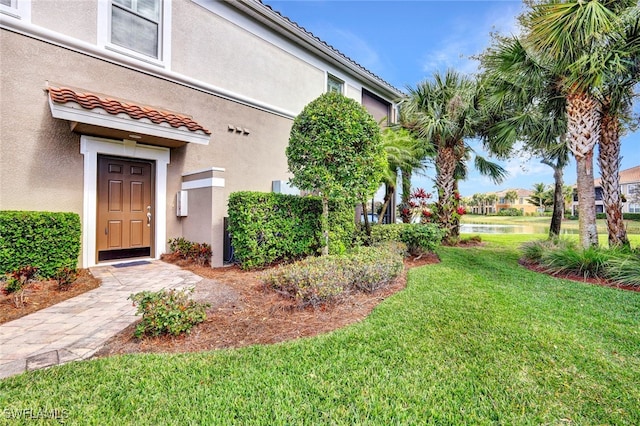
x=76 y=328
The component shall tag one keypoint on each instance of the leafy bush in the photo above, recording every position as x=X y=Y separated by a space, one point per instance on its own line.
x=200 y=253
x=269 y=227
x=18 y=280
x=625 y=216
x=511 y=211
x=376 y=267
x=167 y=312
x=421 y=238
x=47 y=241
x=317 y=280
x=65 y=277
x=387 y=233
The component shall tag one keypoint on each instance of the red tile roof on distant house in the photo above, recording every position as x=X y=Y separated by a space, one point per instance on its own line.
x=62 y=95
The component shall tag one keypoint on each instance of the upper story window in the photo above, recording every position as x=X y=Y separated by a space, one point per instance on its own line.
x=137 y=25
x=334 y=84
x=20 y=9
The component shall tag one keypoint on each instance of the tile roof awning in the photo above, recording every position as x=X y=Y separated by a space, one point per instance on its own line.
x=99 y=115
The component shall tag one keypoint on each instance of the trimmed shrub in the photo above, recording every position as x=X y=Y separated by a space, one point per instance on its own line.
x=512 y=211
x=318 y=280
x=167 y=312
x=625 y=216
x=47 y=241
x=269 y=227
x=421 y=238
x=387 y=233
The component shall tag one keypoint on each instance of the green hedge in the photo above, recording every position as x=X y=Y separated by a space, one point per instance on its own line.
x=268 y=227
x=625 y=216
x=48 y=241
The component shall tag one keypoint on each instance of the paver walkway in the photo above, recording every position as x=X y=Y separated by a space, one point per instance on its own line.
x=76 y=328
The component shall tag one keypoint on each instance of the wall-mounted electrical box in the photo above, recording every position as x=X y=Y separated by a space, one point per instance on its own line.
x=182 y=203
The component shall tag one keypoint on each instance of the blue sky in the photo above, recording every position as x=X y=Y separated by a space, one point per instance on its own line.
x=406 y=42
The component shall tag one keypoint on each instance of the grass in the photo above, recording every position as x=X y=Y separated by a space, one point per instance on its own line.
x=476 y=339
x=632 y=226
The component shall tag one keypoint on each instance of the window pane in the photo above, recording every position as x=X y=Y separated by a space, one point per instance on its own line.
x=334 y=85
x=149 y=9
x=125 y=3
x=133 y=32
x=6 y=3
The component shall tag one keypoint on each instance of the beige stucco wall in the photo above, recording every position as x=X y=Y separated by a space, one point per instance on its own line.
x=75 y=18
x=212 y=49
x=42 y=168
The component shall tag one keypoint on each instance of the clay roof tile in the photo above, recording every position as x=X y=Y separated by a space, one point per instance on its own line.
x=62 y=95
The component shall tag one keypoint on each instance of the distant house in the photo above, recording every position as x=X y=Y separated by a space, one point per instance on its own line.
x=629 y=187
x=143 y=116
x=493 y=202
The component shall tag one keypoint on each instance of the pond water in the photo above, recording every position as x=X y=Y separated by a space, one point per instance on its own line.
x=478 y=228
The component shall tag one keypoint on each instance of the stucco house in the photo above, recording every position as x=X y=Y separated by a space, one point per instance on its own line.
x=142 y=116
x=629 y=187
x=498 y=201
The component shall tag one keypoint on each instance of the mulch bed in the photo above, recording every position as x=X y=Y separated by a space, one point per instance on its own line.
x=41 y=294
x=253 y=314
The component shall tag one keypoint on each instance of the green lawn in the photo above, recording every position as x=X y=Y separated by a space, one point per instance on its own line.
x=476 y=339
x=632 y=226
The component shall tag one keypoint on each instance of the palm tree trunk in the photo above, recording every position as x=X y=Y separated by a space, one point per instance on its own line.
x=389 y=193
x=583 y=128
x=609 y=160
x=406 y=185
x=558 y=198
x=446 y=161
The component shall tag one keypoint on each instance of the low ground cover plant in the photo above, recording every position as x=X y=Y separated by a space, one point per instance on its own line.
x=559 y=255
x=199 y=253
x=17 y=282
x=318 y=280
x=167 y=312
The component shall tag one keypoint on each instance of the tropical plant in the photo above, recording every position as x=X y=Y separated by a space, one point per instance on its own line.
x=403 y=152
x=335 y=149
x=616 y=99
x=511 y=196
x=577 y=37
x=443 y=112
x=523 y=108
x=541 y=196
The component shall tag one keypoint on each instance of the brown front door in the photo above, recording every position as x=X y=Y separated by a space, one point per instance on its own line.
x=125 y=208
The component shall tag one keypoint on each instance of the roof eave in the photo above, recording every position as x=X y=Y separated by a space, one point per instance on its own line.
x=298 y=35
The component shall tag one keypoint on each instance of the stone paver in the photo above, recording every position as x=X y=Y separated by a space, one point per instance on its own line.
x=76 y=328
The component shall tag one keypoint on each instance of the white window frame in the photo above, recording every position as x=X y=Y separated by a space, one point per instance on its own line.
x=164 y=36
x=336 y=79
x=19 y=9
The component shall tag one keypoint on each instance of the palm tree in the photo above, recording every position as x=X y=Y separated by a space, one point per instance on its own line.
x=522 y=105
x=616 y=105
x=511 y=197
x=540 y=196
x=575 y=35
x=491 y=201
x=404 y=152
x=443 y=112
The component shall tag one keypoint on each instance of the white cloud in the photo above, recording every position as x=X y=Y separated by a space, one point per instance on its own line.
x=469 y=36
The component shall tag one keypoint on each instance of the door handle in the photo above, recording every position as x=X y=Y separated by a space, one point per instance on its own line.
x=148 y=215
